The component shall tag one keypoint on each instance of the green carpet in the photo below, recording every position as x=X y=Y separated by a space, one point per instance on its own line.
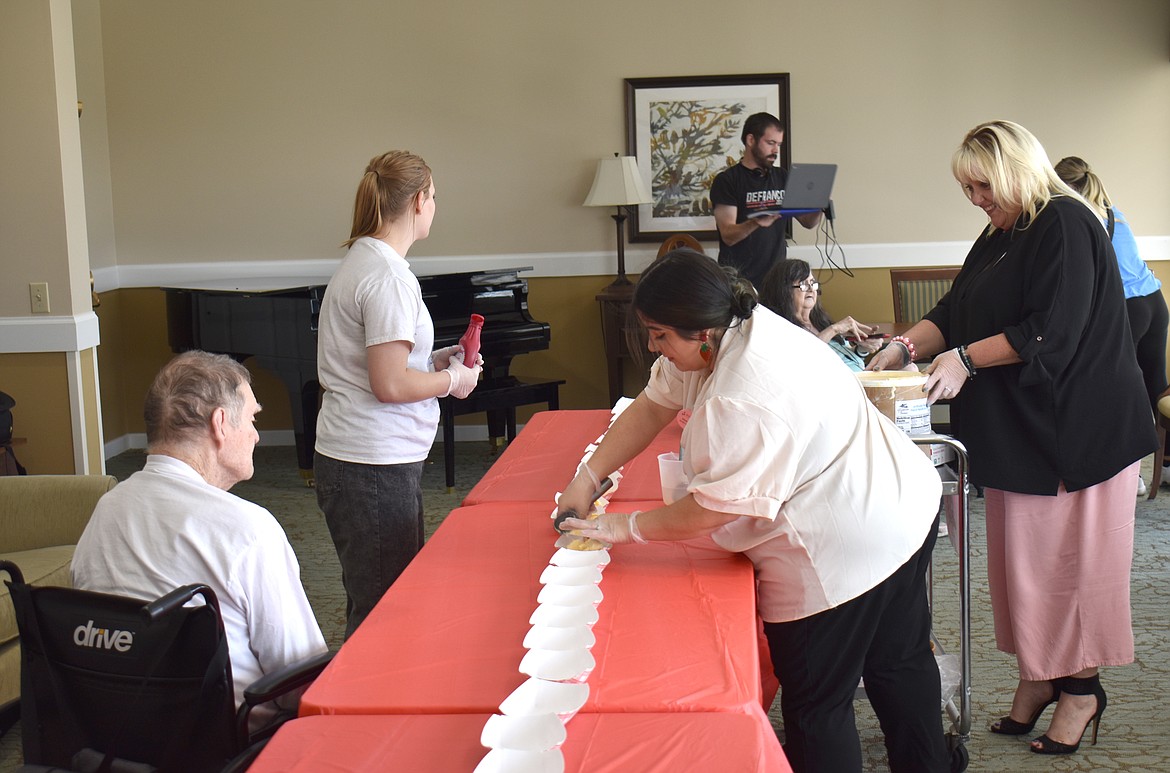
x=1132 y=729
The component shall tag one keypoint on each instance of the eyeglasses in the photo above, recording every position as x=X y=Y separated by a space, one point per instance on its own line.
x=807 y=285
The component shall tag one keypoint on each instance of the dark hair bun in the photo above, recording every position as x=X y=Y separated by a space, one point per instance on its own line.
x=744 y=298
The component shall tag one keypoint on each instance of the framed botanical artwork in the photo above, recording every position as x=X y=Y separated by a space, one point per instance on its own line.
x=684 y=131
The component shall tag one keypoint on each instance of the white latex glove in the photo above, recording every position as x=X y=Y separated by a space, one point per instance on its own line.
x=613 y=528
x=442 y=357
x=575 y=497
x=893 y=357
x=463 y=378
x=945 y=376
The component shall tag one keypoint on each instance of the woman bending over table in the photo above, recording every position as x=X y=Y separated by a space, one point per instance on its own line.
x=789 y=463
x=1034 y=351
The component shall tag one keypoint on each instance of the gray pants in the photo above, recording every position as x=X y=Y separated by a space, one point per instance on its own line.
x=375 y=516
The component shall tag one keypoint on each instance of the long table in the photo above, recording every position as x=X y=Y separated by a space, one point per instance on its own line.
x=544 y=456
x=677 y=683
x=676 y=629
x=596 y=743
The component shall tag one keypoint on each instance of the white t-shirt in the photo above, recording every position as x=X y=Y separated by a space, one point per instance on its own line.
x=836 y=496
x=165 y=527
x=372 y=299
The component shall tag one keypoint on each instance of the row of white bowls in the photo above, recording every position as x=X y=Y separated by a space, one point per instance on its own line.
x=525 y=737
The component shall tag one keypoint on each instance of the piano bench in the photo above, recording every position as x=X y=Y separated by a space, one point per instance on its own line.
x=499 y=402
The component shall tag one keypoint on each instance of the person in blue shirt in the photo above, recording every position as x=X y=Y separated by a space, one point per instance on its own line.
x=1144 y=304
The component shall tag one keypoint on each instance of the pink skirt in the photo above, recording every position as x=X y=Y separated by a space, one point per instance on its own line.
x=1058 y=570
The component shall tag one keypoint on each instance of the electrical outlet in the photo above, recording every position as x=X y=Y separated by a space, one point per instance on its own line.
x=38 y=293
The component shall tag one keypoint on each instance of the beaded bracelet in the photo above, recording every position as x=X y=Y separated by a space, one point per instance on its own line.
x=910 y=350
x=966 y=360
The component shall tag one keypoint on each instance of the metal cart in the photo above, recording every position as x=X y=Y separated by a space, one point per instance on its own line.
x=953 y=508
x=956 y=489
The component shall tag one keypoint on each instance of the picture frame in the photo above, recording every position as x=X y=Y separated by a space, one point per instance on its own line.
x=684 y=131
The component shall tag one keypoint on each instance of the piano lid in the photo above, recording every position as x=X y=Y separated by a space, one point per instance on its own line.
x=265 y=285
x=252 y=285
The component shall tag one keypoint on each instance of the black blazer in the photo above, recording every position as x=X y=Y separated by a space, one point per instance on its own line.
x=1075 y=410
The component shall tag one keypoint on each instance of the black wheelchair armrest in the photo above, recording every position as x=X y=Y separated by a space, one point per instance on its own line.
x=286 y=679
x=278 y=683
x=175 y=599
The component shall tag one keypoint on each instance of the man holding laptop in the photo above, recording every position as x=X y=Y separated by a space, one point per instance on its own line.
x=748 y=200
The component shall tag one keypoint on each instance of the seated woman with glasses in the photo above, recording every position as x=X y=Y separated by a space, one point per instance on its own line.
x=790 y=290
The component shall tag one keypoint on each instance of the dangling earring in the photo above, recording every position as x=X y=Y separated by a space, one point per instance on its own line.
x=705 y=348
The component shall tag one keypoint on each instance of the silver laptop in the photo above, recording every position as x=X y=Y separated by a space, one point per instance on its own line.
x=807 y=190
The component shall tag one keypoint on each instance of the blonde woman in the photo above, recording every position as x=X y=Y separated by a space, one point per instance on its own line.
x=1031 y=336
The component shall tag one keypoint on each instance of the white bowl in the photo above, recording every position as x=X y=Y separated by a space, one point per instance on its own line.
x=567 y=557
x=533 y=733
x=565 y=540
x=561 y=616
x=570 y=595
x=541 y=696
x=570 y=575
x=558 y=665
x=515 y=761
x=547 y=637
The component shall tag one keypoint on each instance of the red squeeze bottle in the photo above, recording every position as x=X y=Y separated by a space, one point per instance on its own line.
x=470 y=340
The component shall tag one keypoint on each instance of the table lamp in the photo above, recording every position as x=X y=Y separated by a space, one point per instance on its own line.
x=618 y=183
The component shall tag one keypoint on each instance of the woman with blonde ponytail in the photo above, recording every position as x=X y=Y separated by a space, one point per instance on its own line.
x=381 y=384
x=1144 y=304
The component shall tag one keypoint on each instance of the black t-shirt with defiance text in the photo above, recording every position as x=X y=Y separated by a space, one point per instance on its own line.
x=751 y=190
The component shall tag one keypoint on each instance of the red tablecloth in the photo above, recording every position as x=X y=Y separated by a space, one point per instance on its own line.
x=544 y=456
x=677 y=629
x=596 y=743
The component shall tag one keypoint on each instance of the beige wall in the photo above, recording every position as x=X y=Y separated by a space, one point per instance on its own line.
x=221 y=131
x=46 y=359
x=237 y=131
x=37 y=382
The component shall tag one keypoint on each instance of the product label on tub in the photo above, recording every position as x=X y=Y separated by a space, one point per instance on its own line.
x=912 y=416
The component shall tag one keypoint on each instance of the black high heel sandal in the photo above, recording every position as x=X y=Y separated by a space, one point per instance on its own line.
x=1008 y=726
x=1088 y=686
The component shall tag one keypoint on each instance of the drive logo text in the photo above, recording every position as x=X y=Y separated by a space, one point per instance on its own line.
x=102 y=638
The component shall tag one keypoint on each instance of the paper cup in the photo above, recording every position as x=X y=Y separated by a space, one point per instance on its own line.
x=674 y=479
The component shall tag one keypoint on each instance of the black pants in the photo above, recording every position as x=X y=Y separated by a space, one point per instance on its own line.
x=1148 y=320
x=375 y=515
x=883 y=635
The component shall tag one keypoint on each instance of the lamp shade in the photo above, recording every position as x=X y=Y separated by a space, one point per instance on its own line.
x=618 y=183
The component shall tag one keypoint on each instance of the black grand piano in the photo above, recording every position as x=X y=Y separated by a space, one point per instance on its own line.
x=278 y=327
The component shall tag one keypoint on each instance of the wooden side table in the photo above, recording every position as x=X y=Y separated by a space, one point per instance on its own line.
x=615 y=304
